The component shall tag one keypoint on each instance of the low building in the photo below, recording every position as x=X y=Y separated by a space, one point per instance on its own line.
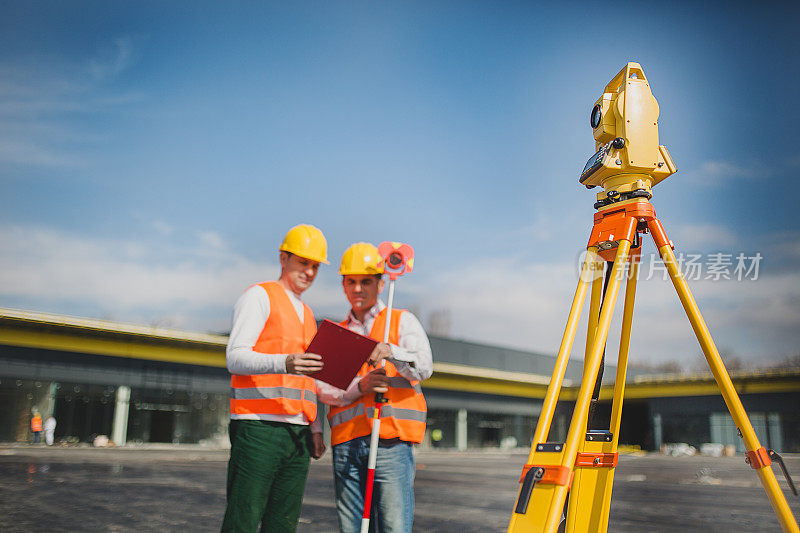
x=662 y=409
x=141 y=384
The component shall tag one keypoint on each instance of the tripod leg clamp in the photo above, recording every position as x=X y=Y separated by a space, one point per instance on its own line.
x=597 y=459
x=533 y=474
x=758 y=458
x=551 y=474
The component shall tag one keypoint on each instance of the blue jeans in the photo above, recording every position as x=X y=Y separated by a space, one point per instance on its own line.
x=393 y=492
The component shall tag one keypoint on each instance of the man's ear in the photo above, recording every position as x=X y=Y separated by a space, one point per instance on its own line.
x=381 y=284
x=284 y=259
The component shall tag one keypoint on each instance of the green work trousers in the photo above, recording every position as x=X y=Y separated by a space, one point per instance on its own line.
x=266 y=475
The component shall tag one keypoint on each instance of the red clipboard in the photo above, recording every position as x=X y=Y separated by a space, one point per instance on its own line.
x=343 y=353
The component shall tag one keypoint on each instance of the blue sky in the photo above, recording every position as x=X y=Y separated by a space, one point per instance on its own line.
x=152 y=155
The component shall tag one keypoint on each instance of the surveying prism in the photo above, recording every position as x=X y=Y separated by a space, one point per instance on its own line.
x=566 y=486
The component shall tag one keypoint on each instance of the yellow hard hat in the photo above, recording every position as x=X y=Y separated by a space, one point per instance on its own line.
x=361 y=258
x=306 y=241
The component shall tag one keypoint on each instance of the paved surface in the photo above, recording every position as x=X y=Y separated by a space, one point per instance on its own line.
x=179 y=489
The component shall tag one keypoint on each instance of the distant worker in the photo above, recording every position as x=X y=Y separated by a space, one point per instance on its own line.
x=408 y=361
x=273 y=402
x=36 y=426
x=49 y=430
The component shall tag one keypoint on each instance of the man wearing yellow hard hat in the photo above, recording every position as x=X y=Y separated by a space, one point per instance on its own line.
x=273 y=401
x=408 y=361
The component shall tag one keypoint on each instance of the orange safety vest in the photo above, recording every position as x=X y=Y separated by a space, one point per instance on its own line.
x=278 y=394
x=403 y=417
x=36 y=423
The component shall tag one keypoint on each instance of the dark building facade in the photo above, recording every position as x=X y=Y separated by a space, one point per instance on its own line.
x=140 y=384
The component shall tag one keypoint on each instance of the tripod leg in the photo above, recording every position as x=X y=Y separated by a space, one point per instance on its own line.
x=595 y=401
x=595 y=303
x=590 y=496
x=594 y=306
x=553 y=389
x=624 y=346
x=577 y=429
x=529 y=512
x=732 y=400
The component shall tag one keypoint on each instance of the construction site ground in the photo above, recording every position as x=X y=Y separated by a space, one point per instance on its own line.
x=182 y=488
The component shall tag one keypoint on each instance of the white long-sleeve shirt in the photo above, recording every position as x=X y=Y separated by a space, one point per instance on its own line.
x=250 y=313
x=411 y=356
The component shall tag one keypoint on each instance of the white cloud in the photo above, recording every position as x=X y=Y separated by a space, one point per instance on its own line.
x=526 y=306
x=726 y=169
x=36 y=100
x=191 y=287
x=112 y=60
x=705 y=236
x=211 y=238
x=45 y=263
x=717 y=172
x=538 y=230
x=162 y=227
x=32 y=153
x=784 y=247
x=504 y=301
x=793 y=161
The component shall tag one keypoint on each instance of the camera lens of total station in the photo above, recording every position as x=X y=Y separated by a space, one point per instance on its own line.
x=597 y=116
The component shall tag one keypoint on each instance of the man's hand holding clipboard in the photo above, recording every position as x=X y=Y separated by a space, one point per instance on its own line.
x=338 y=354
x=303 y=363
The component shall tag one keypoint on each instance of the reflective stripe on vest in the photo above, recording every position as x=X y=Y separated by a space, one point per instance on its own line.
x=403 y=417
x=386 y=411
x=278 y=394
x=400 y=414
x=257 y=393
x=345 y=414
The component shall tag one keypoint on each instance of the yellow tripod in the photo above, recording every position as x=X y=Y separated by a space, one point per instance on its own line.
x=628 y=163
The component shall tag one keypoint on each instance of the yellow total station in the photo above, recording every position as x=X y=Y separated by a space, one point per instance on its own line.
x=628 y=161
